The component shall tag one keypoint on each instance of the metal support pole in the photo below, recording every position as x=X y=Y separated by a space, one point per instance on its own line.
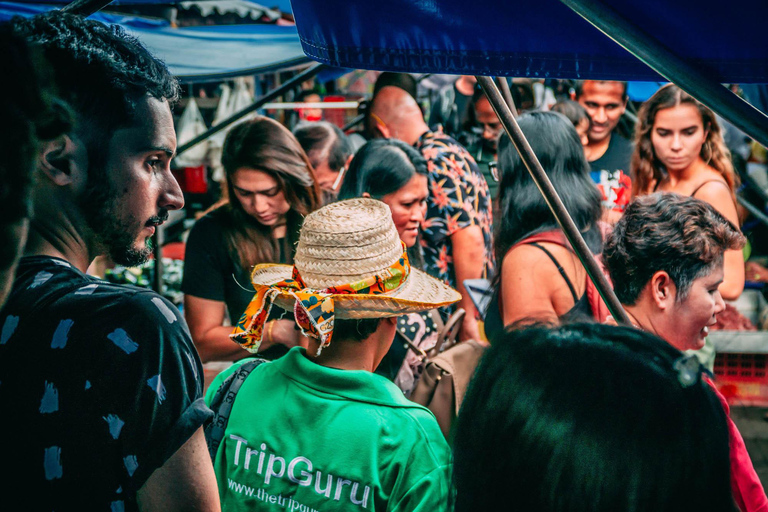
x=354 y=122
x=506 y=94
x=85 y=7
x=712 y=94
x=274 y=93
x=754 y=210
x=553 y=200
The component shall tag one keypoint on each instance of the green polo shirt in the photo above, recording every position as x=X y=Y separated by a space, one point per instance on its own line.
x=303 y=437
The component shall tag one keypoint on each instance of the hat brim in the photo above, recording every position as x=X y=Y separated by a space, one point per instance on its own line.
x=420 y=292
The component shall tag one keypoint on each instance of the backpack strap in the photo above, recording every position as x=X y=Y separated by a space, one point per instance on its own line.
x=222 y=403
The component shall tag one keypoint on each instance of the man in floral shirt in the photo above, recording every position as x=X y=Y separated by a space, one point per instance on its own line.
x=456 y=235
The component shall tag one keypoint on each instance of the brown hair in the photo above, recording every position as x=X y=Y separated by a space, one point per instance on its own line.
x=265 y=145
x=647 y=169
x=680 y=235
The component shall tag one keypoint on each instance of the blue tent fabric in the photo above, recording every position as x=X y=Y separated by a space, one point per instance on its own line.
x=204 y=53
x=542 y=39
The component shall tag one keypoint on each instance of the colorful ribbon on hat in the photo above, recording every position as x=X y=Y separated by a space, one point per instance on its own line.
x=314 y=309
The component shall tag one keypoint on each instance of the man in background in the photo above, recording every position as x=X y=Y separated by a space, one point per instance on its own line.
x=457 y=232
x=608 y=152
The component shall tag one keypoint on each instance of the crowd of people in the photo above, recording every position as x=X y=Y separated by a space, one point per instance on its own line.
x=337 y=266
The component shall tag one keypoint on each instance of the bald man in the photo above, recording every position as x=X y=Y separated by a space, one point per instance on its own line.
x=456 y=234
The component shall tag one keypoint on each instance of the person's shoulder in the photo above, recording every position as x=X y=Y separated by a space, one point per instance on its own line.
x=212 y=221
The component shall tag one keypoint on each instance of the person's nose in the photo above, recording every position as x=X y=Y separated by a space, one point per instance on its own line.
x=599 y=115
x=676 y=143
x=171 y=197
x=260 y=203
x=418 y=213
x=719 y=302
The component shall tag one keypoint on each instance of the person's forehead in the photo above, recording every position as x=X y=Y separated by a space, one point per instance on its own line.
x=152 y=127
x=684 y=114
x=602 y=92
x=713 y=277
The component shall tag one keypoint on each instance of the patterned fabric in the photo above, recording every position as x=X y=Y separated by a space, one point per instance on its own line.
x=100 y=384
x=458 y=198
x=314 y=309
x=615 y=189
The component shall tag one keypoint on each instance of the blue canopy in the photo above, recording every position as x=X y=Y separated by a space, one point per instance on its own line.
x=542 y=39
x=204 y=53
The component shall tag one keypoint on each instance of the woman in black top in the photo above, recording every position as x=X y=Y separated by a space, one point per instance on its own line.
x=540 y=277
x=270 y=188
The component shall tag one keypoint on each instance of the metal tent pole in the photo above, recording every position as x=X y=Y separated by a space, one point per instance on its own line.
x=553 y=200
x=696 y=83
x=274 y=93
x=85 y=7
x=506 y=93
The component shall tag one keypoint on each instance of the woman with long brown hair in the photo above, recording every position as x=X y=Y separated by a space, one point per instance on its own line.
x=270 y=187
x=679 y=148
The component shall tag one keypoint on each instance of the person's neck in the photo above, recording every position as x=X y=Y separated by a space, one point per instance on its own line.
x=58 y=241
x=349 y=355
x=642 y=320
x=595 y=150
x=279 y=230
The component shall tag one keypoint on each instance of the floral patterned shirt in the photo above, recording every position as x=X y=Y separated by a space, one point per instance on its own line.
x=458 y=198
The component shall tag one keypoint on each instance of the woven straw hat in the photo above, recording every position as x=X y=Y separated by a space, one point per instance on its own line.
x=345 y=242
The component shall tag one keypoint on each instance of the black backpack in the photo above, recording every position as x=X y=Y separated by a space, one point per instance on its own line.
x=222 y=403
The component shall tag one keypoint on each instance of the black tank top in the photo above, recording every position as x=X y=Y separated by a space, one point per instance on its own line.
x=580 y=312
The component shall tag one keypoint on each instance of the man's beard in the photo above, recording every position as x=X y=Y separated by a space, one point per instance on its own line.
x=112 y=233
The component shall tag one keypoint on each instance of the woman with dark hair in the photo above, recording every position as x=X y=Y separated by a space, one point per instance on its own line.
x=270 y=188
x=679 y=148
x=541 y=277
x=590 y=417
x=395 y=173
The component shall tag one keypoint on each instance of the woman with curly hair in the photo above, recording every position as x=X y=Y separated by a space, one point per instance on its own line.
x=679 y=148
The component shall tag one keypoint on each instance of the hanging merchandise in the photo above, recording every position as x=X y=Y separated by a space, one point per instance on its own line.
x=191 y=124
x=232 y=101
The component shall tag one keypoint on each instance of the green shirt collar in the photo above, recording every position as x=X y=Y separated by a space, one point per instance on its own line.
x=358 y=385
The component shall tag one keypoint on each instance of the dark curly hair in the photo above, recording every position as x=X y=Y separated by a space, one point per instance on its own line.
x=680 y=235
x=100 y=71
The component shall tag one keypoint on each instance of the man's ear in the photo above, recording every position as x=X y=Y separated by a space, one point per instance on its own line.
x=57 y=160
x=663 y=290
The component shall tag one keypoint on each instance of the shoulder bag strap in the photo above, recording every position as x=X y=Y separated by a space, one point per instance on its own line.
x=222 y=403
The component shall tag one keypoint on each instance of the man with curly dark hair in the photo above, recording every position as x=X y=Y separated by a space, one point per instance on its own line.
x=665 y=257
x=102 y=381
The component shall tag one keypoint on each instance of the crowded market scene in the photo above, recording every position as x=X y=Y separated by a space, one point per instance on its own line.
x=399 y=255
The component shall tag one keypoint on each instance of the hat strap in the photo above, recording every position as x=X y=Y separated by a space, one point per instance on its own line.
x=314 y=309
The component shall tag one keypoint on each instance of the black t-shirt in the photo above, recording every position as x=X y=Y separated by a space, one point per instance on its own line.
x=100 y=385
x=611 y=173
x=210 y=273
x=616 y=157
